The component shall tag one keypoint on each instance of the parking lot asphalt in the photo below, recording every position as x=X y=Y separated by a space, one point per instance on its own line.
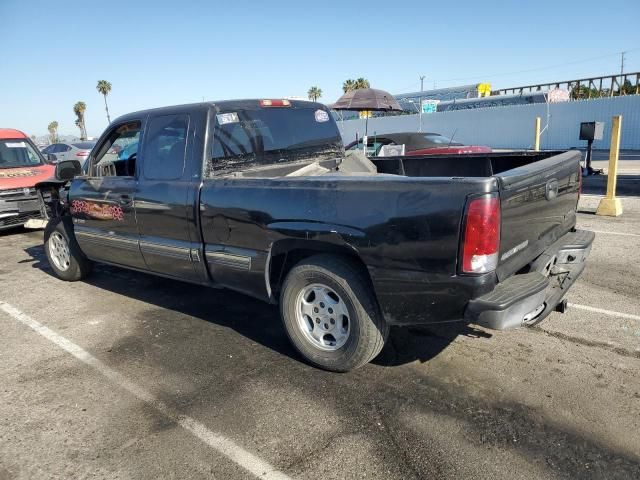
x=125 y=375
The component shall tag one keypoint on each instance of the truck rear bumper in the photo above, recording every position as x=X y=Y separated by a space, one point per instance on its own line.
x=528 y=298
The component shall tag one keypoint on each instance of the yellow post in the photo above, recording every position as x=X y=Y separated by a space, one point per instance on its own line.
x=536 y=141
x=610 y=205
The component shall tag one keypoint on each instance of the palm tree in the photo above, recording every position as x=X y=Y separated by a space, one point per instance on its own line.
x=104 y=88
x=314 y=94
x=362 y=83
x=79 y=108
x=348 y=85
x=53 y=131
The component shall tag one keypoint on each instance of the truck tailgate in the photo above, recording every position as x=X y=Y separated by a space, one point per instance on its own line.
x=538 y=204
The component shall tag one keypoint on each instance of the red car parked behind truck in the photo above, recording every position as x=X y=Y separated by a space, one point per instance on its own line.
x=21 y=167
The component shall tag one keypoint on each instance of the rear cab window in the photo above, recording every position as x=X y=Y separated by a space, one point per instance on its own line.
x=247 y=136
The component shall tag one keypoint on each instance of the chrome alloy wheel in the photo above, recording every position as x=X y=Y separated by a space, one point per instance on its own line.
x=322 y=317
x=59 y=251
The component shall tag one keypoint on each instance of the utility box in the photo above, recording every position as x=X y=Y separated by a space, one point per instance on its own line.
x=591 y=131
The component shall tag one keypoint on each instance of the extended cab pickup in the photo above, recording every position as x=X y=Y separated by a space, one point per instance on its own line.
x=259 y=197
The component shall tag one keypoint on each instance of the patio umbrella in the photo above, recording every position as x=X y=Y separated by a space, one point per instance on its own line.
x=367 y=99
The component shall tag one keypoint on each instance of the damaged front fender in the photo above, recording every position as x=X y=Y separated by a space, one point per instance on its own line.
x=53 y=196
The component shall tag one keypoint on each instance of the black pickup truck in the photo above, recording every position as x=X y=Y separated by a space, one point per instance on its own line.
x=258 y=196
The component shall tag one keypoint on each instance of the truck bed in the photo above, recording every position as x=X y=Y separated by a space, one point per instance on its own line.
x=531 y=220
x=468 y=165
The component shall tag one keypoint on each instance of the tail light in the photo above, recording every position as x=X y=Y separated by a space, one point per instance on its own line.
x=82 y=154
x=481 y=240
x=275 y=103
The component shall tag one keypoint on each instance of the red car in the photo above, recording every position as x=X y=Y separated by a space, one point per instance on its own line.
x=417 y=143
x=21 y=167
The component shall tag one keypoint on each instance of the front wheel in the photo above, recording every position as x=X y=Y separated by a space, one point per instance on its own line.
x=331 y=315
x=63 y=252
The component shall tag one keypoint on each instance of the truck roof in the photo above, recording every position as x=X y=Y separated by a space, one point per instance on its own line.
x=223 y=104
x=11 y=133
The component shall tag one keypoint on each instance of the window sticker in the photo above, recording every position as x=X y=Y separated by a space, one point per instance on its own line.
x=224 y=118
x=321 y=116
x=16 y=145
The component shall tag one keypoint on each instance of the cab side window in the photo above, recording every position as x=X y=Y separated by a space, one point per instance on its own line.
x=116 y=157
x=165 y=147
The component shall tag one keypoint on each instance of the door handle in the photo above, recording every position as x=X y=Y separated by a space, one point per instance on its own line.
x=124 y=200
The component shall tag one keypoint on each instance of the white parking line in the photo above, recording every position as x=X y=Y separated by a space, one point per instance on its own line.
x=217 y=441
x=605 y=312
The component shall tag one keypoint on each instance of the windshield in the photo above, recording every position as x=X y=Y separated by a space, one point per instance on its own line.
x=253 y=137
x=439 y=139
x=84 y=145
x=18 y=153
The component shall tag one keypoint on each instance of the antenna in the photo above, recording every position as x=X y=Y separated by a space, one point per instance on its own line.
x=622 y=63
x=451 y=139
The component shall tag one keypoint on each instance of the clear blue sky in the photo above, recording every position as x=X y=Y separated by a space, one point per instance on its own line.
x=159 y=53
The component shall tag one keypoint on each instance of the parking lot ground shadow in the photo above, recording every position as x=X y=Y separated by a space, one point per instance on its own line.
x=422 y=342
x=256 y=320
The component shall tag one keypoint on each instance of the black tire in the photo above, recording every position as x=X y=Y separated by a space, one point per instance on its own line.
x=368 y=330
x=78 y=266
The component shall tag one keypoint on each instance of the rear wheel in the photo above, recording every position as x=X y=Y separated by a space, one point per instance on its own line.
x=64 y=255
x=331 y=315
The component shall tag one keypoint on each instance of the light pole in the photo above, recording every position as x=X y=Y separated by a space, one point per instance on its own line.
x=422 y=77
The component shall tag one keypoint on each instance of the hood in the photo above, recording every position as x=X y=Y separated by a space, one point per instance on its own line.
x=20 y=177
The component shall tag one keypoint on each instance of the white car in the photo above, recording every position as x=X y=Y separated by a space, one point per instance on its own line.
x=70 y=151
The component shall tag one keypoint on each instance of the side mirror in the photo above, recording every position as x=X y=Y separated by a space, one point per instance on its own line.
x=67 y=169
x=51 y=158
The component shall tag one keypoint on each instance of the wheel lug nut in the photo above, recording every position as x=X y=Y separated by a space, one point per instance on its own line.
x=326 y=325
x=331 y=310
x=315 y=310
x=332 y=321
x=317 y=320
